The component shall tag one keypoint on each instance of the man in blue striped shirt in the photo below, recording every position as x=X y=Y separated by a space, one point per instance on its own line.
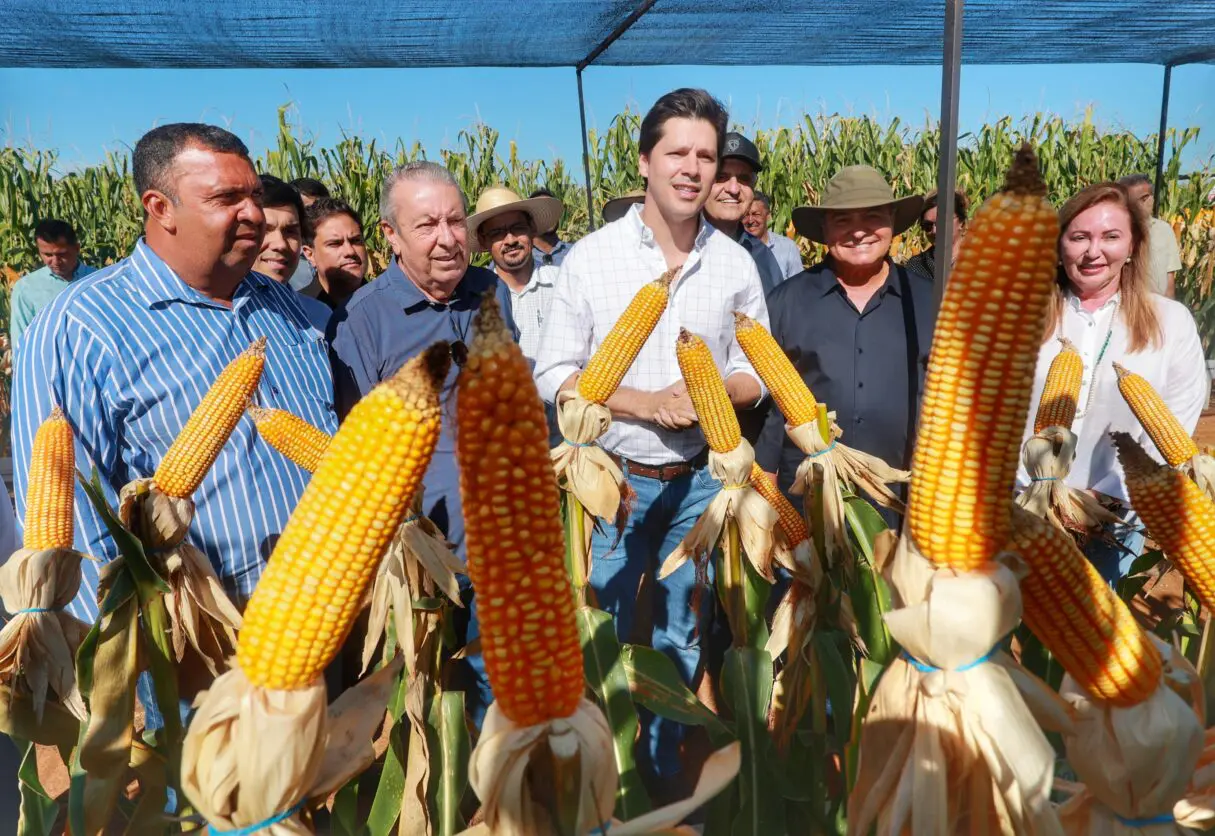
x=129 y=352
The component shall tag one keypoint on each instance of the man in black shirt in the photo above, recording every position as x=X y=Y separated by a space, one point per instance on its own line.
x=857 y=327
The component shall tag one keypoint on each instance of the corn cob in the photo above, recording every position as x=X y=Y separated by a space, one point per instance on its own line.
x=52 y=485
x=609 y=364
x=291 y=435
x=791 y=521
x=513 y=531
x=716 y=414
x=1178 y=515
x=1057 y=408
x=1162 y=426
x=980 y=374
x=1079 y=618
x=791 y=394
x=206 y=432
x=312 y=589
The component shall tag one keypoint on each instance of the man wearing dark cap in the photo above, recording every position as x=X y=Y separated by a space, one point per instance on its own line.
x=729 y=199
x=857 y=327
x=547 y=248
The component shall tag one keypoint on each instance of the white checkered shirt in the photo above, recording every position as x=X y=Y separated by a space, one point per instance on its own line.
x=530 y=307
x=598 y=279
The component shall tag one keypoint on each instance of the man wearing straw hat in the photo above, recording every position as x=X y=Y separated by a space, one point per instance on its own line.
x=506 y=226
x=857 y=327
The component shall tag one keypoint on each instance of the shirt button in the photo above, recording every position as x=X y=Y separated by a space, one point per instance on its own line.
x=274 y=389
x=860 y=350
x=860 y=421
x=860 y=384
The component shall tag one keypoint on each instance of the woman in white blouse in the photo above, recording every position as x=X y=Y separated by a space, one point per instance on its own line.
x=1103 y=304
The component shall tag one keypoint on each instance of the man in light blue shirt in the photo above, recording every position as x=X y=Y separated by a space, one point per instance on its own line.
x=788 y=256
x=129 y=352
x=60 y=254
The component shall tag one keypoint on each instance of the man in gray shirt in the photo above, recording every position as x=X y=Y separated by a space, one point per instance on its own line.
x=756 y=221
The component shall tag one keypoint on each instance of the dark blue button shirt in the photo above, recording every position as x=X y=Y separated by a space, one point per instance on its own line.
x=866 y=366
x=386 y=323
x=770 y=272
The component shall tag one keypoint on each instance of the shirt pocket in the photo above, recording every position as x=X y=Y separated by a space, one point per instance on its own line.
x=299 y=379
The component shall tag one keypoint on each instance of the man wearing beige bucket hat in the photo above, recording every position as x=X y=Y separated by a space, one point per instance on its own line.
x=505 y=225
x=857 y=327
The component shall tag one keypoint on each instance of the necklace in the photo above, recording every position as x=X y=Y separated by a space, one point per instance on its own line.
x=1092 y=384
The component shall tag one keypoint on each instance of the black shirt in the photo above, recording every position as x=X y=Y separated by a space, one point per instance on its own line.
x=867 y=367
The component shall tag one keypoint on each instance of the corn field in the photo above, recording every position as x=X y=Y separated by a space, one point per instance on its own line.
x=100 y=200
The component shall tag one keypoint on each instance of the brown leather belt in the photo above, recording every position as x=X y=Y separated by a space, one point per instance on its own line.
x=661 y=472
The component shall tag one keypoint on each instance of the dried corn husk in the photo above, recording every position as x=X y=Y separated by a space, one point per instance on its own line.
x=38 y=644
x=419 y=560
x=1197 y=809
x=1201 y=469
x=1048 y=457
x=252 y=754
x=838 y=464
x=1136 y=762
x=584 y=468
x=738 y=501
x=201 y=615
x=581 y=744
x=956 y=743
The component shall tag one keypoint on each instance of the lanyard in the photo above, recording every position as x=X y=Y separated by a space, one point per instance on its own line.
x=1092 y=385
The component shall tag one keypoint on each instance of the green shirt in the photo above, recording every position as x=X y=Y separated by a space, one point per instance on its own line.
x=33 y=292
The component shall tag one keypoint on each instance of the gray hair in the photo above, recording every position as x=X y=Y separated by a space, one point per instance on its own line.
x=417 y=170
x=764 y=199
x=1132 y=180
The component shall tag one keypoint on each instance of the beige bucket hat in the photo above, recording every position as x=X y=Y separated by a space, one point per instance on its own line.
x=617 y=207
x=856 y=187
x=545 y=212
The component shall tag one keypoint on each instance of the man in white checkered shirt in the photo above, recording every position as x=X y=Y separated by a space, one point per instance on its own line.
x=654 y=434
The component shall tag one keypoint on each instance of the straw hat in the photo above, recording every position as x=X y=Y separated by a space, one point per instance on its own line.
x=856 y=187
x=545 y=212
x=617 y=207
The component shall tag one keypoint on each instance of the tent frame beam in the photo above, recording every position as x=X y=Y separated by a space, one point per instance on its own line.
x=1160 y=138
x=947 y=169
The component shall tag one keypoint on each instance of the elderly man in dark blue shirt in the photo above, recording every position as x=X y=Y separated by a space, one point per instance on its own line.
x=857 y=327
x=428 y=293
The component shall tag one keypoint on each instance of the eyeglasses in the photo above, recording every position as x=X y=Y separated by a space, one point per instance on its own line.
x=928 y=226
x=458 y=348
x=518 y=230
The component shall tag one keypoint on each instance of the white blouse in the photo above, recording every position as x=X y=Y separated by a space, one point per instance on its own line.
x=1177 y=370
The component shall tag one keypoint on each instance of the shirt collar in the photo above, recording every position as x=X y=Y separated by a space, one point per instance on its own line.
x=413 y=300
x=646 y=235
x=1073 y=301
x=160 y=284
x=825 y=281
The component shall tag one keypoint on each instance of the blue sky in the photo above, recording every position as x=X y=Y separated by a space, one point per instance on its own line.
x=82 y=113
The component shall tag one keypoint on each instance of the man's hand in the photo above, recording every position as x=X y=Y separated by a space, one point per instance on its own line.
x=672 y=407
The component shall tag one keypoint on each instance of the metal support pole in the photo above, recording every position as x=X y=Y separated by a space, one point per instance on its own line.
x=586 y=157
x=1164 y=126
x=947 y=174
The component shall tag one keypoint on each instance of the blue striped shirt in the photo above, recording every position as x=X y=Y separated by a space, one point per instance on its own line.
x=128 y=353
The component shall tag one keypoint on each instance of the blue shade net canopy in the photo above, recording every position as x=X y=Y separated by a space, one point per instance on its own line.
x=552 y=33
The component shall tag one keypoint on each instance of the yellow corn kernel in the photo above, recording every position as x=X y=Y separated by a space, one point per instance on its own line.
x=718 y=421
x=1170 y=438
x=776 y=370
x=1076 y=615
x=292 y=436
x=611 y=361
x=1057 y=408
x=791 y=520
x=1178 y=514
x=206 y=432
x=513 y=531
x=980 y=374
x=52 y=485
x=313 y=586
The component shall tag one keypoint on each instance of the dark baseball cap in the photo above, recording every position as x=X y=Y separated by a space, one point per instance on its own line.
x=737 y=145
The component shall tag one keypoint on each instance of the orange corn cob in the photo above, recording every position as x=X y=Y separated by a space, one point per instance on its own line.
x=980 y=374
x=716 y=414
x=1057 y=408
x=52 y=485
x=206 y=432
x=791 y=521
x=1079 y=618
x=610 y=363
x=292 y=436
x=791 y=394
x=513 y=530
x=312 y=589
x=1162 y=426
x=1178 y=515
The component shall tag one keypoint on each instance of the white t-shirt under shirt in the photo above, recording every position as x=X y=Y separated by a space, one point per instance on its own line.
x=1164 y=256
x=1176 y=369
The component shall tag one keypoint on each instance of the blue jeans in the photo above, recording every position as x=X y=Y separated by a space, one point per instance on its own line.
x=1113 y=562
x=663 y=513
